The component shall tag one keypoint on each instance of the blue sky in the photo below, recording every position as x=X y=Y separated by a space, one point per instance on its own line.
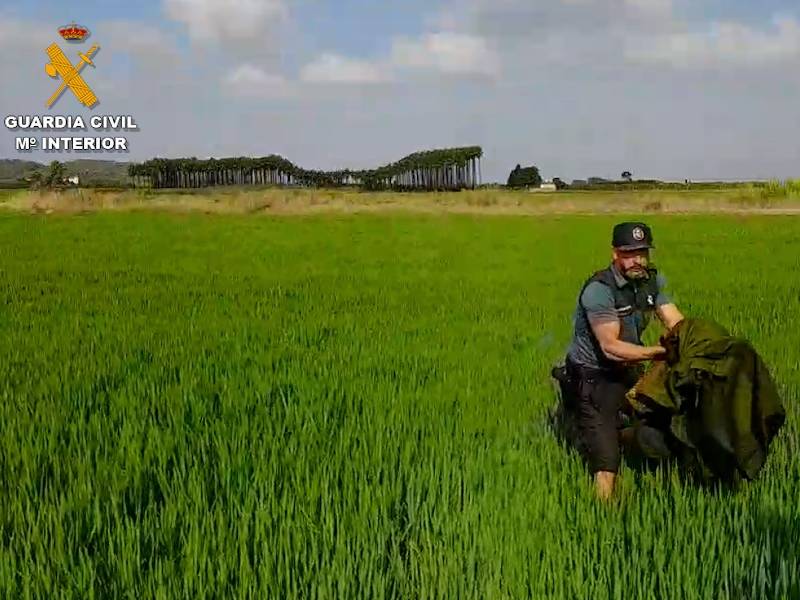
x=664 y=88
x=746 y=11
x=85 y=11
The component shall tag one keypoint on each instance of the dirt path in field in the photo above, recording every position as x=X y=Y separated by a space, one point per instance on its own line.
x=478 y=202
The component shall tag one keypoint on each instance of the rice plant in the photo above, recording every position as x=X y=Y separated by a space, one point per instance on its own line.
x=356 y=407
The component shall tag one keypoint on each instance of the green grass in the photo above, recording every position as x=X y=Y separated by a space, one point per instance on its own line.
x=343 y=407
x=7 y=194
x=788 y=189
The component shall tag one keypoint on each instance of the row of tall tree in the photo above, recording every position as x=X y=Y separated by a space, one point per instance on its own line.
x=430 y=170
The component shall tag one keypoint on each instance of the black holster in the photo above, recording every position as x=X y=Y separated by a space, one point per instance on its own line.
x=568 y=383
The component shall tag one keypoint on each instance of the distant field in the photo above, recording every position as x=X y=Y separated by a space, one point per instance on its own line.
x=249 y=200
x=346 y=406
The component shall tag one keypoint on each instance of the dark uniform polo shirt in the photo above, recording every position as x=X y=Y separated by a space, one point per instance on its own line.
x=598 y=300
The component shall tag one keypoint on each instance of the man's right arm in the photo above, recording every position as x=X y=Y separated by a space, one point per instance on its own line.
x=598 y=301
x=607 y=334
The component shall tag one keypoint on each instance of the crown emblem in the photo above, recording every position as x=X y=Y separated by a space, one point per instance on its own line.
x=73 y=32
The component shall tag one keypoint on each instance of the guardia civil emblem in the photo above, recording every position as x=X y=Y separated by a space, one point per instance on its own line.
x=60 y=66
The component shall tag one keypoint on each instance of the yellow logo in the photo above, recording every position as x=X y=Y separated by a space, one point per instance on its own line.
x=61 y=66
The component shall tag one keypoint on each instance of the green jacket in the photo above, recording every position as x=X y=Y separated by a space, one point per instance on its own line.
x=717 y=396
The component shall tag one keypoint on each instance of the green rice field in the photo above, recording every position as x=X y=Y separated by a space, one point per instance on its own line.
x=356 y=406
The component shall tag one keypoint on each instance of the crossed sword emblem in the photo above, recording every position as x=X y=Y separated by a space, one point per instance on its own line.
x=60 y=65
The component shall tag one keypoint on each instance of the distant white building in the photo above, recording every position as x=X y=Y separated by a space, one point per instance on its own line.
x=548 y=185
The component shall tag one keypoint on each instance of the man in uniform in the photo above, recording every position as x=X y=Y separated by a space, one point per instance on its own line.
x=614 y=308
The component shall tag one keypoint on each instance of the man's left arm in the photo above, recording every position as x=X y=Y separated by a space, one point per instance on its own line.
x=667 y=312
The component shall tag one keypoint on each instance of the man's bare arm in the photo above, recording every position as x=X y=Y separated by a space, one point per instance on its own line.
x=607 y=334
x=669 y=315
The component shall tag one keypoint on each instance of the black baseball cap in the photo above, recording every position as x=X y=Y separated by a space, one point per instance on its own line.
x=632 y=236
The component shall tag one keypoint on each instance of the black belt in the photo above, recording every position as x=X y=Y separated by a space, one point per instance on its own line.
x=578 y=371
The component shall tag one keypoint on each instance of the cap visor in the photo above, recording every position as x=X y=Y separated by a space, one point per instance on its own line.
x=641 y=246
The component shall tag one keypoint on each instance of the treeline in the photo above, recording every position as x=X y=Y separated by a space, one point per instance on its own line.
x=654 y=184
x=431 y=170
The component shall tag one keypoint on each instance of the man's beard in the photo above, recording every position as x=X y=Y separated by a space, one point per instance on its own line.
x=636 y=273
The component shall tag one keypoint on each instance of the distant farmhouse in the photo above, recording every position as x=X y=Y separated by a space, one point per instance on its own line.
x=548 y=185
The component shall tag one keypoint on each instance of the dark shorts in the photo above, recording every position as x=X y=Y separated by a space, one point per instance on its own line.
x=597 y=402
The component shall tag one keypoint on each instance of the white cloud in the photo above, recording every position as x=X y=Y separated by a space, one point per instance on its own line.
x=503 y=20
x=333 y=68
x=724 y=44
x=650 y=7
x=227 y=20
x=615 y=34
x=446 y=52
x=149 y=42
x=251 y=80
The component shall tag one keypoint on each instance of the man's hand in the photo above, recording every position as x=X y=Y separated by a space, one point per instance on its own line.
x=662 y=355
x=607 y=334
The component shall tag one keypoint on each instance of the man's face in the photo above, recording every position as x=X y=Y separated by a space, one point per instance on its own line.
x=632 y=263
